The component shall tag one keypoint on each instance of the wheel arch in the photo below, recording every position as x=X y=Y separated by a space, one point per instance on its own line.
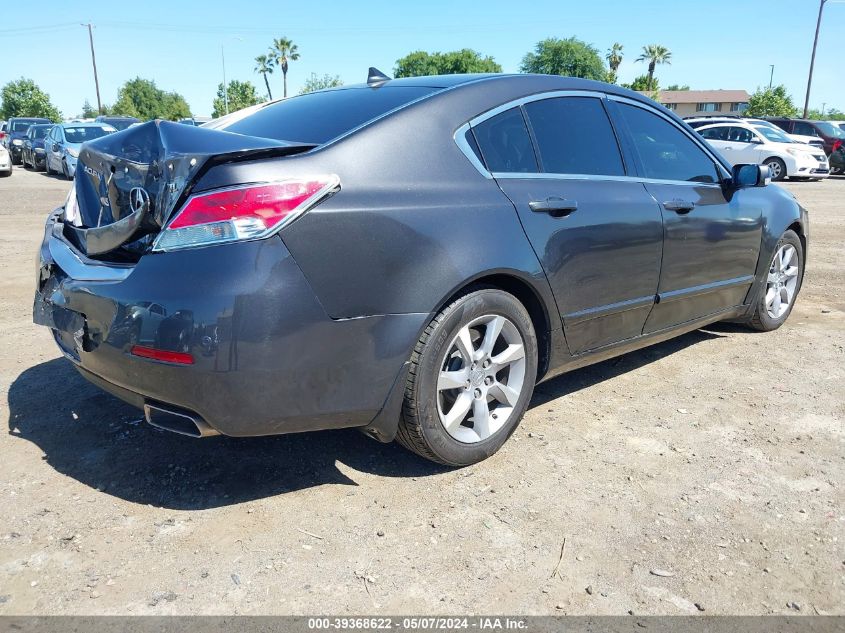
x=536 y=301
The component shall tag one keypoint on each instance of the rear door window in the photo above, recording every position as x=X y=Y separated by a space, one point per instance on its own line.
x=803 y=129
x=505 y=143
x=664 y=151
x=574 y=136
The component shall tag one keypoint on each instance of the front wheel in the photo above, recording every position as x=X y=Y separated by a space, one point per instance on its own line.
x=472 y=375
x=783 y=282
x=777 y=168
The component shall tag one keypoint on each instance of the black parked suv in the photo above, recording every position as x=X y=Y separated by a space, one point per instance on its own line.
x=16 y=129
x=831 y=135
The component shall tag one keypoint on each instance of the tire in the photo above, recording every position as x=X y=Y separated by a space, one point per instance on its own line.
x=777 y=168
x=23 y=160
x=787 y=269
x=64 y=170
x=444 y=387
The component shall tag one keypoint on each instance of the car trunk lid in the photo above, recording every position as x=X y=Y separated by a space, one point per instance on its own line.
x=129 y=183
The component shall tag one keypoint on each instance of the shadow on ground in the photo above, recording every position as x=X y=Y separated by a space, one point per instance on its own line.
x=98 y=440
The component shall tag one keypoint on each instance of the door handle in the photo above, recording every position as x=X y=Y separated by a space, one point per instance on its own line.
x=555 y=207
x=679 y=206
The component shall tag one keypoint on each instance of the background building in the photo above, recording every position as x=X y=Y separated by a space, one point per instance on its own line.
x=703 y=102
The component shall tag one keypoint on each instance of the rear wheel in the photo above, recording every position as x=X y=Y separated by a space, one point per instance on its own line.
x=782 y=284
x=472 y=375
x=777 y=168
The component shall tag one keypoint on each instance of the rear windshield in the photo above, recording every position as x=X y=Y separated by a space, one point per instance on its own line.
x=318 y=117
x=119 y=123
x=82 y=134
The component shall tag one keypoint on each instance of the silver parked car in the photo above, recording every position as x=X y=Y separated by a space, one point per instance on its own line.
x=63 y=142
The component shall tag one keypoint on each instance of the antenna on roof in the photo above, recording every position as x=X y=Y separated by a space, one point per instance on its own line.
x=375 y=76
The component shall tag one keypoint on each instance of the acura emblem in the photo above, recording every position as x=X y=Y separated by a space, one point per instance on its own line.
x=139 y=200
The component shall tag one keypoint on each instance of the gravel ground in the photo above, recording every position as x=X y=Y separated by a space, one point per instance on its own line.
x=702 y=474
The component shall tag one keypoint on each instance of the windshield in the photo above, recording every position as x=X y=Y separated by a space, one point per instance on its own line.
x=82 y=134
x=22 y=126
x=776 y=136
x=318 y=117
x=39 y=131
x=830 y=130
x=120 y=123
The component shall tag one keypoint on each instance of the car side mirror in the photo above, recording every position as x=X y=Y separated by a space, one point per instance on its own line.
x=750 y=176
x=55 y=147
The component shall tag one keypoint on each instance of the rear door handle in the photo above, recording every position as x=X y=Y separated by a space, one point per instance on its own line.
x=679 y=206
x=555 y=207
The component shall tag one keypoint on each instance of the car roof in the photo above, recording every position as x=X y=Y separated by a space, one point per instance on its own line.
x=84 y=124
x=29 y=118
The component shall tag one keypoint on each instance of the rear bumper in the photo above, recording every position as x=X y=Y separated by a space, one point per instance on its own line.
x=267 y=358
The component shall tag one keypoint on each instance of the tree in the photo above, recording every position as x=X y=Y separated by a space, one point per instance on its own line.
x=315 y=82
x=241 y=94
x=143 y=99
x=88 y=111
x=281 y=52
x=677 y=87
x=24 y=98
x=264 y=67
x=570 y=57
x=643 y=84
x=831 y=114
x=614 y=60
x=654 y=54
x=770 y=102
x=460 y=62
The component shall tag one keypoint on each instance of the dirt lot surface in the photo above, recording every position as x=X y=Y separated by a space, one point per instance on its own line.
x=703 y=474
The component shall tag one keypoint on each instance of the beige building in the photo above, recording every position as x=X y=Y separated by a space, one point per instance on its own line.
x=703 y=102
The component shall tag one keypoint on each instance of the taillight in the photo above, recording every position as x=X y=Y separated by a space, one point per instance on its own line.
x=836 y=145
x=242 y=213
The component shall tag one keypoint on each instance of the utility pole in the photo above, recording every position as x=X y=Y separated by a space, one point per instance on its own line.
x=225 y=87
x=94 y=63
x=771 y=75
x=813 y=58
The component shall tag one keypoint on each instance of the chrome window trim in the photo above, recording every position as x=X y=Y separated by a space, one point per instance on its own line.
x=697 y=141
x=600 y=177
x=540 y=96
x=460 y=138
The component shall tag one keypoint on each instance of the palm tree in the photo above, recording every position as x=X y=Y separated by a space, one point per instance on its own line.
x=614 y=59
x=283 y=51
x=654 y=54
x=264 y=66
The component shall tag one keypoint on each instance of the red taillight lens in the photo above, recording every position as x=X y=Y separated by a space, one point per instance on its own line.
x=248 y=212
x=836 y=145
x=180 y=358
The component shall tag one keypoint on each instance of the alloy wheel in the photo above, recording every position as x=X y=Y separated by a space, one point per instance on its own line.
x=782 y=281
x=481 y=378
x=774 y=169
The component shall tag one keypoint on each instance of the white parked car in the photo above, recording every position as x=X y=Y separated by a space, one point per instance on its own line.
x=751 y=143
x=701 y=121
x=5 y=162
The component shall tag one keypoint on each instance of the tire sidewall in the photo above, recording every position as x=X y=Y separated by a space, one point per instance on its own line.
x=474 y=305
x=769 y=323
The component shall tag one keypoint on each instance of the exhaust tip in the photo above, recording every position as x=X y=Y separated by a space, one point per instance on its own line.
x=180 y=422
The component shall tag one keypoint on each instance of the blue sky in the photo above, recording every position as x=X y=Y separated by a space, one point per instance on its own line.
x=716 y=44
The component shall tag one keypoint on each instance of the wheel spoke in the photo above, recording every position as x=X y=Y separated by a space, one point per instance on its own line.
x=494 y=328
x=458 y=411
x=453 y=379
x=464 y=344
x=792 y=271
x=776 y=304
x=510 y=354
x=504 y=394
x=772 y=278
x=481 y=418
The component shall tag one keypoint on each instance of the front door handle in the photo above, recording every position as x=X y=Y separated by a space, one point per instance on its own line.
x=679 y=206
x=555 y=207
